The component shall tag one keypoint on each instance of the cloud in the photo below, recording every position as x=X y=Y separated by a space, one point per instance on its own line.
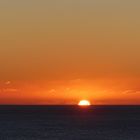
x=131 y=92
x=67 y=89
x=10 y=90
x=52 y=91
x=8 y=82
x=127 y=91
x=137 y=92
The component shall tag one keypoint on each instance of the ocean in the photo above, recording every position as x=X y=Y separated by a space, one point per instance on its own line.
x=69 y=123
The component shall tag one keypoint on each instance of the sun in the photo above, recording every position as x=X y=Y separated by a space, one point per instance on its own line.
x=84 y=103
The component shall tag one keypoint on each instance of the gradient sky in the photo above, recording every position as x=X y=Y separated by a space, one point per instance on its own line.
x=62 y=51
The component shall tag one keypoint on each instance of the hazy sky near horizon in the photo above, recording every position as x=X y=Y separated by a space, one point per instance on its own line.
x=70 y=40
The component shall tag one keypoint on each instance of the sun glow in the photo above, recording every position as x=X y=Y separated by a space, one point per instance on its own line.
x=84 y=103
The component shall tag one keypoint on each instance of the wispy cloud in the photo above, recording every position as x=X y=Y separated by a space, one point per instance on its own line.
x=8 y=82
x=131 y=92
x=52 y=91
x=9 y=90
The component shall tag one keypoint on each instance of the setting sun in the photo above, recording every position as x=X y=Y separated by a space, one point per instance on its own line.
x=84 y=103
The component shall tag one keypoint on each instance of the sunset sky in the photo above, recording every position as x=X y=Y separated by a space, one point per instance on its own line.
x=63 y=51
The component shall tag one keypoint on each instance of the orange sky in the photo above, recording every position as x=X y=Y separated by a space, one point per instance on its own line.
x=59 y=52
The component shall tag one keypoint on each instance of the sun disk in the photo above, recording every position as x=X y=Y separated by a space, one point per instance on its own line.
x=84 y=103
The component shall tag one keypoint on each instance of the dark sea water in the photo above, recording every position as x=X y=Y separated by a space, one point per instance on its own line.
x=69 y=123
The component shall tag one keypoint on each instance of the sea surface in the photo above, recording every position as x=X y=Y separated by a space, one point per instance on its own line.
x=69 y=123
